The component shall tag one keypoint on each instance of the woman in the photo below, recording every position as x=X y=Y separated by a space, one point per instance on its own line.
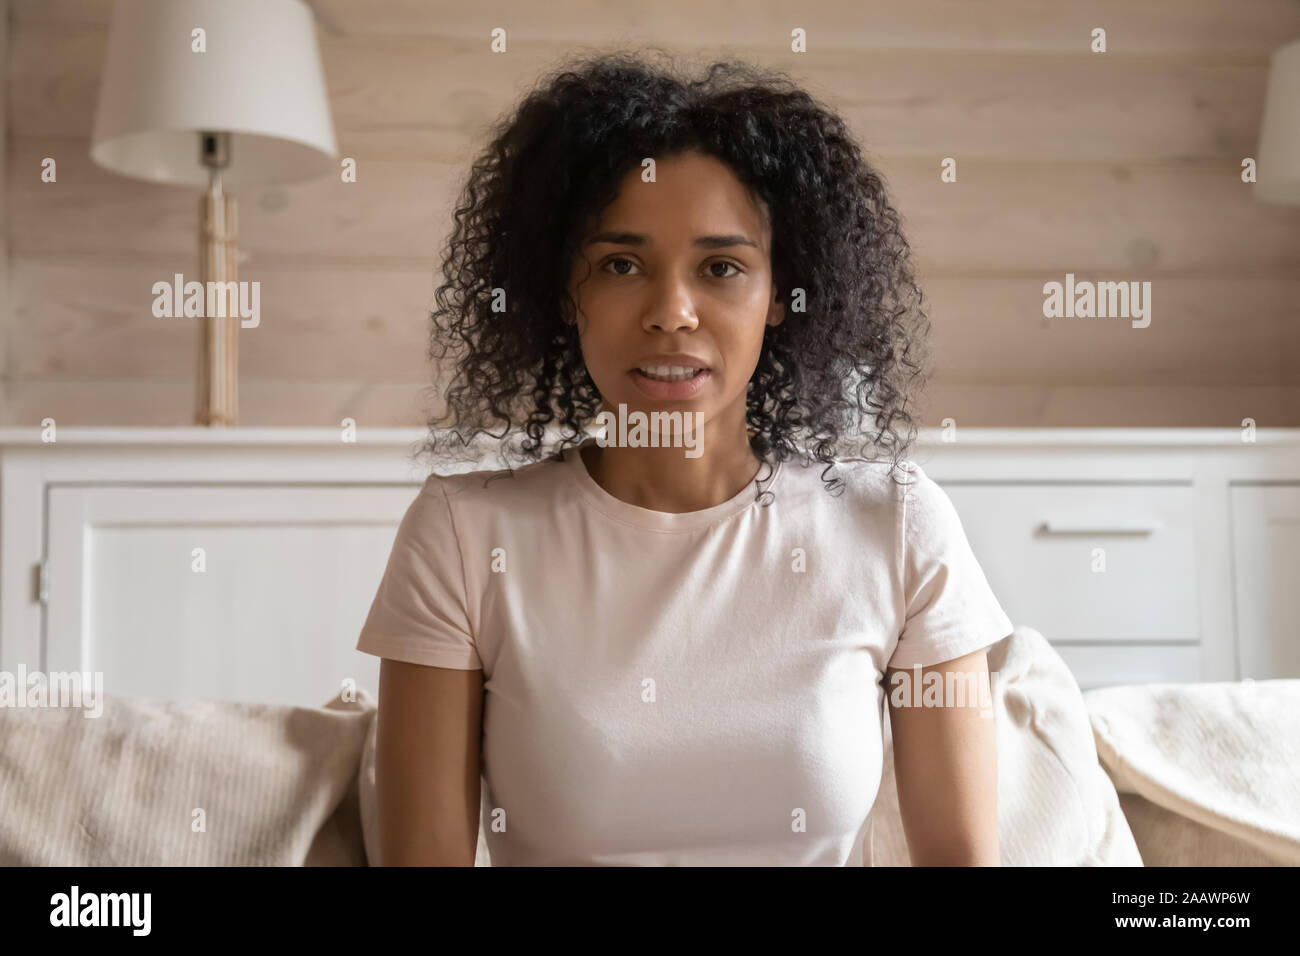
x=651 y=656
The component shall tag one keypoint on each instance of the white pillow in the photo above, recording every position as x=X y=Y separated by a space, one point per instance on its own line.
x=1056 y=804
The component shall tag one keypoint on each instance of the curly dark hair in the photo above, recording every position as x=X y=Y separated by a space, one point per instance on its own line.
x=857 y=349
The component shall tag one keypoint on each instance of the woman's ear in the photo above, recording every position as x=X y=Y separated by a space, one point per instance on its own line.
x=775 y=309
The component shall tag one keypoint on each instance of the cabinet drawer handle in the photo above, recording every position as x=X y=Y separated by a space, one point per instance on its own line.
x=1066 y=526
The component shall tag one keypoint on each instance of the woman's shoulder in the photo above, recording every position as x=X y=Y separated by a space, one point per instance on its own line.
x=866 y=479
x=505 y=485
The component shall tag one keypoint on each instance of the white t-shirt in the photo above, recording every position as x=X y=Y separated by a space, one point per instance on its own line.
x=681 y=689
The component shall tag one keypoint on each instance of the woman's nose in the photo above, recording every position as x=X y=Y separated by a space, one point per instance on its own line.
x=672 y=308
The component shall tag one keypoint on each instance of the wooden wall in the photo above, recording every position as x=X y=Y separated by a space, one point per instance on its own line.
x=1116 y=166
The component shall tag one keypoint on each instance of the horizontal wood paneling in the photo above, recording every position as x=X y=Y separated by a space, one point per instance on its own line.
x=1112 y=406
x=1187 y=218
x=6 y=321
x=1122 y=166
x=270 y=403
x=442 y=93
x=1151 y=26
x=1215 y=332
x=158 y=401
x=88 y=318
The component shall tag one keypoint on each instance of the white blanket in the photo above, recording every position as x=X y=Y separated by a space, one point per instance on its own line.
x=1224 y=755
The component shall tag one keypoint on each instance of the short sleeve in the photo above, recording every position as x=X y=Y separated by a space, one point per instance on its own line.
x=950 y=609
x=420 y=612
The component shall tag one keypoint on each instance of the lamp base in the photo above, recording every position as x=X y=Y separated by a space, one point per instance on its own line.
x=218 y=370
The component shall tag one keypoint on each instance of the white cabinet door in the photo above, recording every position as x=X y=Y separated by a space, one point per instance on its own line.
x=1266 y=577
x=1106 y=572
x=1088 y=564
x=237 y=592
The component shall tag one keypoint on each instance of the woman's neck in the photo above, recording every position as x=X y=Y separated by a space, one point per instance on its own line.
x=664 y=479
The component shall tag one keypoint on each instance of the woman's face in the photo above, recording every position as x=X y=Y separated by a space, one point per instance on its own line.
x=679 y=265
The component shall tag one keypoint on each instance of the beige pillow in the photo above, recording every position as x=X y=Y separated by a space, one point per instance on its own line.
x=1056 y=804
x=277 y=785
x=1166 y=838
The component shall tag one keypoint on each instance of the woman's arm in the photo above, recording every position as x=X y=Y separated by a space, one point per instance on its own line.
x=427 y=764
x=945 y=763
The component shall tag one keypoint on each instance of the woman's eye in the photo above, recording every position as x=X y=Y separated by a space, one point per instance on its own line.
x=632 y=265
x=620 y=259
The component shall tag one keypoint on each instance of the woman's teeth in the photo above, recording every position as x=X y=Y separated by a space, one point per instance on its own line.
x=667 y=373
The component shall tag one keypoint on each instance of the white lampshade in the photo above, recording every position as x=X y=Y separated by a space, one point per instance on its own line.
x=260 y=80
x=1278 y=175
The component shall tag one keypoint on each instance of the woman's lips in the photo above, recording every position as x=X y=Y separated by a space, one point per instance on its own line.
x=669 y=391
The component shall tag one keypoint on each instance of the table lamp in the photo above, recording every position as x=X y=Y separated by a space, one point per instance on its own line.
x=1278 y=175
x=214 y=93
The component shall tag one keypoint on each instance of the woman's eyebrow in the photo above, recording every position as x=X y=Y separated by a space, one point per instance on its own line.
x=639 y=239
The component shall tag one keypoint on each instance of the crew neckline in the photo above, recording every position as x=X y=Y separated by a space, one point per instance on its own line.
x=663 y=520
